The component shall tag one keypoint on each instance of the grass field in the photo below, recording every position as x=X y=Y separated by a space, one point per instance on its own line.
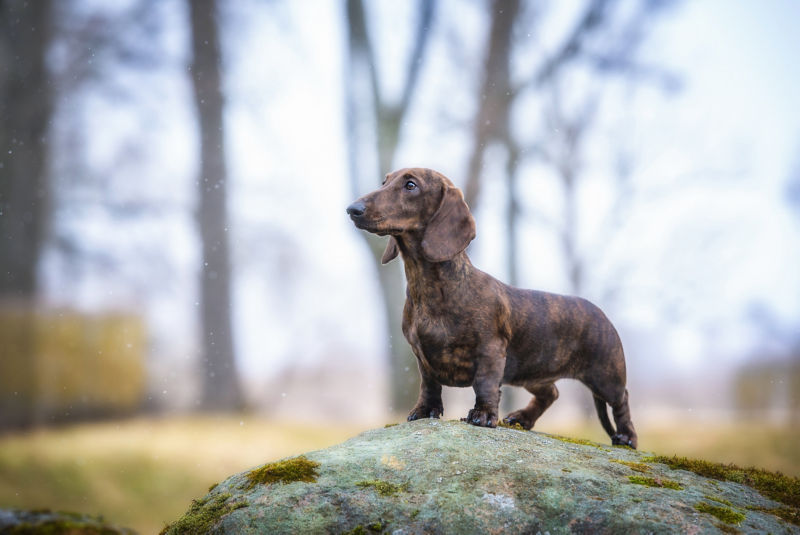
x=143 y=473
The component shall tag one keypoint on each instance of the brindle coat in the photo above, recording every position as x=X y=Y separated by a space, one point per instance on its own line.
x=466 y=328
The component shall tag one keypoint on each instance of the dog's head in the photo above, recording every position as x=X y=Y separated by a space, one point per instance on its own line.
x=421 y=202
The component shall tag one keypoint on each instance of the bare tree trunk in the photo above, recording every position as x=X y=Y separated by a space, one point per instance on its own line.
x=221 y=389
x=512 y=211
x=492 y=120
x=362 y=88
x=26 y=105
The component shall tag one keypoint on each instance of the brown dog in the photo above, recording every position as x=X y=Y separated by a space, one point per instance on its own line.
x=466 y=328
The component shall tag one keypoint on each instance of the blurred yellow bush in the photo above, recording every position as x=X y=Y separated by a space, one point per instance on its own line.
x=59 y=365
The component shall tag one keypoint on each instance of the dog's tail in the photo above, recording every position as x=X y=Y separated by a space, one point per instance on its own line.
x=602 y=413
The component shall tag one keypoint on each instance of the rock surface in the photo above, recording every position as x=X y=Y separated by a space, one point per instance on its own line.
x=44 y=521
x=433 y=476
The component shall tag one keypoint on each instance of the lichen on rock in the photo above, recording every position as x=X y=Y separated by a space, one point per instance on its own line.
x=384 y=488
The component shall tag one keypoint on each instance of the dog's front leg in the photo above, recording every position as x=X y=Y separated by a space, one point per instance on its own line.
x=429 y=404
x=488 y=376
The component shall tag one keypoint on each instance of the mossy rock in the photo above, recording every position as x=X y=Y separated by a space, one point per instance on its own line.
x=433 y=476
x=46 y=522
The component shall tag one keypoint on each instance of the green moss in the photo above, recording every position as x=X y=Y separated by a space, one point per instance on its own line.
x=773 y=485
x=384 y=488
x=723 y=501
x=789 y=514
x=375 y=527
x=202 y=515
x=389 y=425
x=636 y=467
x=581 y=441
x=726 y=514
x=516 y=426
x=295 y=469
x=655 y=482
x=212 y=487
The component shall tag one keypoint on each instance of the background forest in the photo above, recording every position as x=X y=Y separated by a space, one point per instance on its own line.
x=176 y=265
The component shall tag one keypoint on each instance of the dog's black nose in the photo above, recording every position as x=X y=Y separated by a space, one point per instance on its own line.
x=356 y=209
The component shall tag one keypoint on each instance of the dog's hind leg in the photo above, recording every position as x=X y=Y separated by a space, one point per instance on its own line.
x=543 y=397
x=617 y=398
x=626 y=434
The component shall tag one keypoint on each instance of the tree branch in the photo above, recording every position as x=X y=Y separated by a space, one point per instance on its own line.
x=426 y=11
x=593 y=18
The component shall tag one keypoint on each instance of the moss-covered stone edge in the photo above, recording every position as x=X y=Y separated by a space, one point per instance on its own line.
x=636 y=467
x=774 y=485
x=789 y=514
x=516 y=426
x=581 y=441
x=203 y=514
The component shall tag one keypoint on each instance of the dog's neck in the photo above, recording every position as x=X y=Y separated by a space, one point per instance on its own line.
x=422 y=275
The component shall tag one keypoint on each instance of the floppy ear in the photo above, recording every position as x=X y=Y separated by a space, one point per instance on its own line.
x=450 y=229
x=391 y=251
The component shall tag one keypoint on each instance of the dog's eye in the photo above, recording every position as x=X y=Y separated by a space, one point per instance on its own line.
x=410 y=185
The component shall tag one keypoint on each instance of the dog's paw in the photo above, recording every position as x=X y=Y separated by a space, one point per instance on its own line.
x=481 y=418
x=518 y=418
x=621 y=439
x=424 y=411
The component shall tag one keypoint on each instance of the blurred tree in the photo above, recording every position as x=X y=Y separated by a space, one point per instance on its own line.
x=221 y=390
x=601 y=40
x=371 y=151
x=492 y=120
x=26 y=105
x=563 y=152
x=104 y=55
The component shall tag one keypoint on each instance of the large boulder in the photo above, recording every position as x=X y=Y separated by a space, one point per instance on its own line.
x=433 y=476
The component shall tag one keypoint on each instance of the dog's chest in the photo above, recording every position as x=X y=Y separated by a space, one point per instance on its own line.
x=445 y=343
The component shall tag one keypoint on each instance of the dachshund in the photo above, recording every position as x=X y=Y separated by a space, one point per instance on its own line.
x=466 y=328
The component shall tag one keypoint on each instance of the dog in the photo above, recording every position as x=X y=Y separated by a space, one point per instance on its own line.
x=466 y=328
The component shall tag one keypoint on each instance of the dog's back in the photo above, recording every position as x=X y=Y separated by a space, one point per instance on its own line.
x=557 y=336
